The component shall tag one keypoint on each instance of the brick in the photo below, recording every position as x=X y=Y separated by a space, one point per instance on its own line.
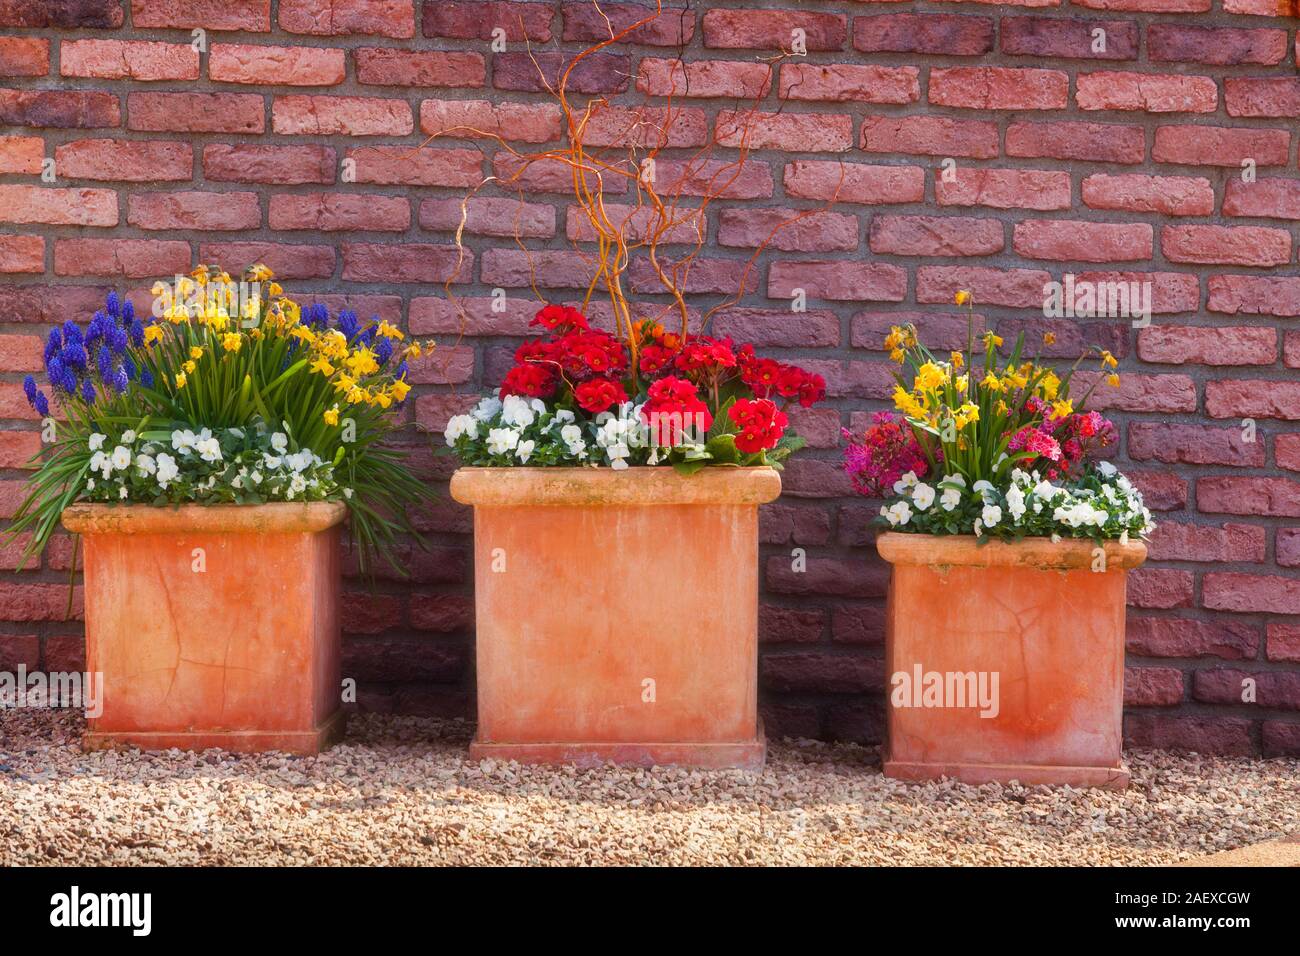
x=590 y=22
x=1273 y=96
x=21 y=154
x=61 y=13
x=46 y=305
x=1249 y=496
x=930 y=136
x=1278 y=738
x=828 y=576
x=1221 y=46
x=1140 y=393
x=1212 y=735
x=306 y=115
x=1160 y=490
x=939 y=330
x=195 y=112
x=275 y=65
x=1159 y=588
x=410 y=262
x=1071 y=38
x=1091 y=142
x=999 y=88
x=286 y=261
x=840 y=83
x=58 y=207
x=130 y=258
x=719 y=179
x=121 y=160
x=934 y=236
x=1227 y=245
x=854 y=183
x=1286 y=452
x=1220 y=146
x=1252 y=399
x=1192 y=444
x=428 y=166
x=254 y=163
x=923 y=33
x=506 y=218
x=1283 y=642
x=386 y=66
x=705 y=276
x=1152 y=686
x=1016 y=288
x=793 y=132
x=477 y=21
x=1288 y=547
x=1003 y=188
x=448 y=365
x=1269 y=198
x=791 y=230
x=703 y=78
x=39 y=602
x=1171 y=292
x=820 y=673
x=194 y=210
x=128 y=60
x=441 y=613
x=471 y=316
x=24 y=56
x=754 y=29
x=779 y=328
x=788 y=625
x=1251 y=593
x=1153 y=6
x=385 y=18
x=1151 y=92
x=22 y=254
x=1291 y=350
x=540 y=72
x=1172 y=541
x=59 y=109
x=335 y=212
x=1255 y=295
x=636 y=223
x=839 y=281
x=1177 y=637
x=251 y=15
x=475 y=119
x=1075 y=241
x=1135 y=192
x=1201 y=345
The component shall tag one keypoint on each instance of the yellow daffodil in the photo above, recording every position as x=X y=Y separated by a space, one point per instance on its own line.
x=345 y=383
x=399 y=389
x=356 y=395
x=1112 y=380
x=1050 y=385
x=1049 y=338
x=962 y=297
x=180 y=379
x=332 y=415
x=323 y=366
x=962 y=383
x=958 y=360
x=906 y=403
x=382 y=399
x=413 y=350
x=1062 y=408
x=968 y=413
x=231 y=341
x=200 y=275
x=259 y=273
x=390 y=331
x=1001 y=407
x=929 y=377
x=362 y=362
x=992 y=383
x=196 y=352
x=152 y=334
x=897 y=355
x=992 y=340
x=275 y=289
x=190 y=366
x=1108 y=360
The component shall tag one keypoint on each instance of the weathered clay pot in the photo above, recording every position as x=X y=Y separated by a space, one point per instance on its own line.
x=617 y=614
x=1046 y=619
x=213 y=626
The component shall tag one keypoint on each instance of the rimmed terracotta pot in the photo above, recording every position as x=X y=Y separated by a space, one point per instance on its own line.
x=1005 y=661
x=213 y=626
x=617 y=614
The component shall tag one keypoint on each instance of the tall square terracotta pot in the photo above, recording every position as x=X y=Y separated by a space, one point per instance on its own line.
x=213 y=626
x=1046 y=619
x=617 y=614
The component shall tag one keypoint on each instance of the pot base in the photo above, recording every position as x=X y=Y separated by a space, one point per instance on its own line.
x=1029 y=775
x=738 y=755
x=303 y=742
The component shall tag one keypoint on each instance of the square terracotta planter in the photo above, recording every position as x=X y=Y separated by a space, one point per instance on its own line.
x=617 y=614
x=213 y=626
x=1046 y=619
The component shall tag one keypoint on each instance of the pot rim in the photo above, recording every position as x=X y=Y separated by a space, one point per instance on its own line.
x=637 y=486
x=965 y=550
x=272 y=517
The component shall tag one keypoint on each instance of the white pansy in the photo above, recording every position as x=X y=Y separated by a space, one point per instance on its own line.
x=128 y=437
x=280 y=443
x=167 y=469
x=1016 y=502
x=898 y=514
x=906 y=483
x=145 y=464
x=98 y=460
x=121 y=457
x=563 y=415
x=984 y=488
x=991 y=515
x=96 y=441
x=525 y=450
x=459 y=425
x=517 y=412
x=182 y=441
x=922 y=496
x=502 y=440
x=487 y=409
x=209 y=449
x=1106 y=469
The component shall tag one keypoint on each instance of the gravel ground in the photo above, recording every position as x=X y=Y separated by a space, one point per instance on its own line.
x=400 y=791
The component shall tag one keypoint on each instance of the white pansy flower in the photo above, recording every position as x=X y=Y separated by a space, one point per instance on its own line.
x=182 y=441
x=128 y=437
x=1107 y=469
x=905 y=484
x=1016 y=502
x=922 y=496
x=525 y=450
x=121 y=457
x=96 y=441
x=459 y=425
x=517 y=412
x=991 y=515
x=487 y=409
x=502 y=440
x=167 y=470
x=145 y=464
x=279 y=443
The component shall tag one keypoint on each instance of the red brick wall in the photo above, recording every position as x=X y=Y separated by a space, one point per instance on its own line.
x=1067 y=160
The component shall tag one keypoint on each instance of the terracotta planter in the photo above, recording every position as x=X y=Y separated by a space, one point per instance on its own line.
x=242 y=654
x=617 y=614
x=1039 y=617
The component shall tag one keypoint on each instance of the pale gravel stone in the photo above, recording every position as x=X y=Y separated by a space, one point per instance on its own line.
x=401 y=791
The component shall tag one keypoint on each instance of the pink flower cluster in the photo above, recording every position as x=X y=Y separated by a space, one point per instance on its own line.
x=885 y=453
